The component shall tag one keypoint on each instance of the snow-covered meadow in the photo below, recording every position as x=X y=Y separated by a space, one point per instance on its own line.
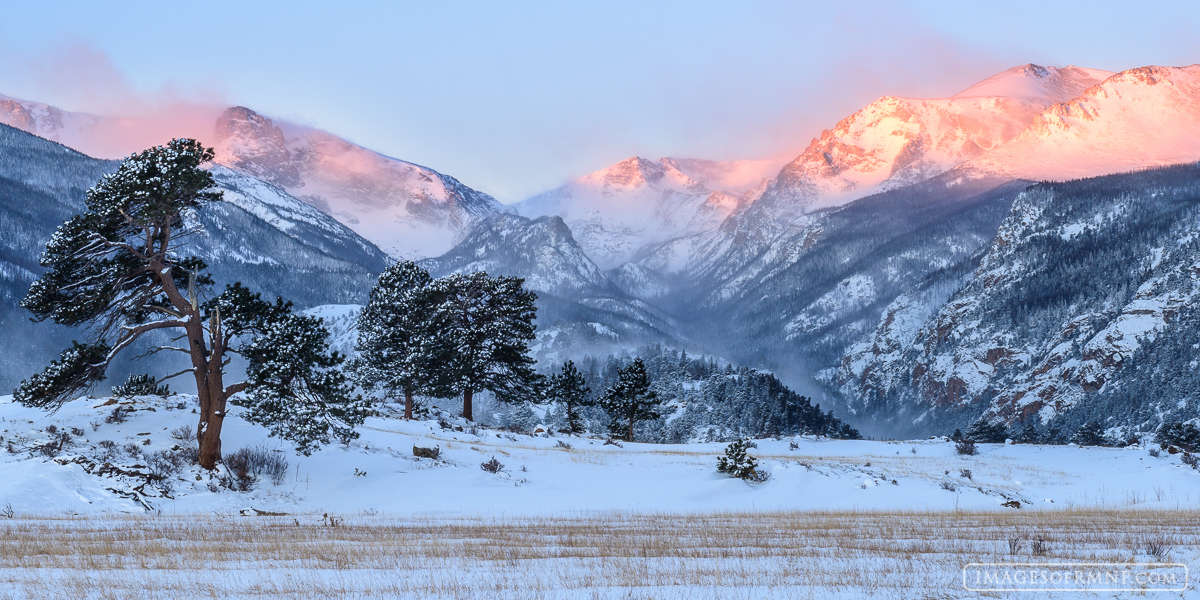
x=567 y=517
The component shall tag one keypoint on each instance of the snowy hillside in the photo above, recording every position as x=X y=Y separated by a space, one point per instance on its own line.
x=1083 y=308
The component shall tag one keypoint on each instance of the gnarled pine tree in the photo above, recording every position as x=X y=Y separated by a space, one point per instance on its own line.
x=118 y=270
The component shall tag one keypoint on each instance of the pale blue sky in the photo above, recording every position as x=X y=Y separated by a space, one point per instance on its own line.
x=516 y=97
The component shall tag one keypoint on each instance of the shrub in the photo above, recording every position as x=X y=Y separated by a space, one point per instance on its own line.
x=965 y=447
x=1182 y=435
x=184 y=433
x=118 y=415
x=140 y=385
x=247 y=465
x=739 y=464
x=166 y=463
x=492 y=466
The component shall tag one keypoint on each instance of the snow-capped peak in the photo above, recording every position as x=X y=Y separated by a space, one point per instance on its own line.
x=408 y=210
x=1037 y=83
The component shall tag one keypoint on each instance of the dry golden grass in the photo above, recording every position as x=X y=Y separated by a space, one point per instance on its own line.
x=727 y=555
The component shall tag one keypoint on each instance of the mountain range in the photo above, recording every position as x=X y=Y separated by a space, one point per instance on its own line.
x=898 y=265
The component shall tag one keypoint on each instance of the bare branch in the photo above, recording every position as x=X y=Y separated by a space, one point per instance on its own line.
x=183 y=372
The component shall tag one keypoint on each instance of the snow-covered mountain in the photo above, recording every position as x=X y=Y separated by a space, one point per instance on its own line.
x=618 y=212
x=898 y=141
x=1134 y=119
x=408 y=210
x=1084 y=307
x=71 y=129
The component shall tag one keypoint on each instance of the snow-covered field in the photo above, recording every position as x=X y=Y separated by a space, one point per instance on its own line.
x=567 y=517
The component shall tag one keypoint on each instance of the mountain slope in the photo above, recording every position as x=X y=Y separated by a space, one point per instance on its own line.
x=897 y=141
x=1084 y=307
x=408 y=210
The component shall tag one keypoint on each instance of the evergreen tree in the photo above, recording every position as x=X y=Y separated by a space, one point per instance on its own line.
x=119 y=269
x=1183 y=435
x=1090 y=434
x=630 y=399
x=140 y=385
x=487 y=323
x=985 y=432
x=738 y=463
x=399 y=348
x=569 y=389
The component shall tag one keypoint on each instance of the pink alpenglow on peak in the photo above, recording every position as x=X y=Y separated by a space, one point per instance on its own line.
x=1139 y=118
x=618 y=212
x=409 y=211
x=898 y=141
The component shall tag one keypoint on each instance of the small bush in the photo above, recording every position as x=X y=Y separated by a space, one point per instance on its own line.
x=738 y=464
x=1191 y=461
x=118 y=415
x=965 y=473
x=949 y=487
x=1154 y=452
x=563 y=445
x=1039 y=547
x=1156 y=546
x=166 y=463
x=184 y=433
x=492 y=466
x=965 y=447
x=247 y=465
x=140 y=385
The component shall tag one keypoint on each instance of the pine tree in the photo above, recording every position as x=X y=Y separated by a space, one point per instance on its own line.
x=399 y=347
x=630 y=399
x=568 y=388
x=119 y=269
x=737 y=463
x=985 y=432
x=1090 y=434
x=487 y=323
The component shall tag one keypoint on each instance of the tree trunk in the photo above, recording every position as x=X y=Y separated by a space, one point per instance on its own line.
x=629 y=436
x=467 y=396
x=210 y=388
x=408 y=401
